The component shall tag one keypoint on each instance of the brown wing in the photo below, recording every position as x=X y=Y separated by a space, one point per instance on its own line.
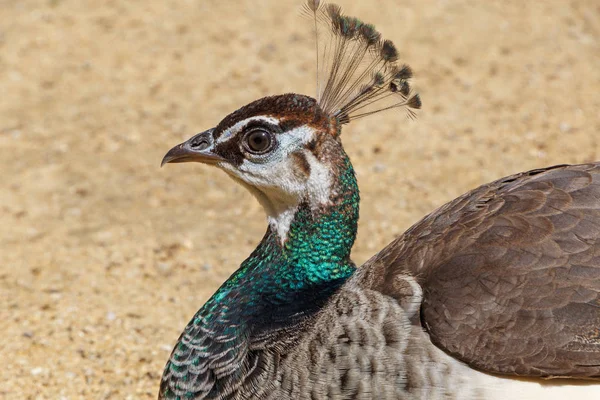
x=510 y=273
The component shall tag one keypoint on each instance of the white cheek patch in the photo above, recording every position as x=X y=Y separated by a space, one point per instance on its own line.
x=276 y=184
x=296 y=138
x=276 y=171
x=238 y=126
x=317 y=188
x=319 y=181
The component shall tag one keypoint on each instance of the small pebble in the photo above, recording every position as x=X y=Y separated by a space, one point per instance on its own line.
x=379 y=167
x=166 y=347
x=564 y=127
x=163 y=267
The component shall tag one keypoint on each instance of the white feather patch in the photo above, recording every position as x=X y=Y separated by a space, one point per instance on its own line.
x=238 y=126
x=275 y=183
x=319 y=182
x=502 y=388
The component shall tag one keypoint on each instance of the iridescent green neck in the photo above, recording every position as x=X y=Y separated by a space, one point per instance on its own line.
x=297 y=276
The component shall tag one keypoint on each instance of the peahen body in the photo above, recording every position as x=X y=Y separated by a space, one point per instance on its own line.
x=481 y=299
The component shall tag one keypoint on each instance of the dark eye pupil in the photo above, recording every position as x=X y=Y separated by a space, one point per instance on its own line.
x=259 y=141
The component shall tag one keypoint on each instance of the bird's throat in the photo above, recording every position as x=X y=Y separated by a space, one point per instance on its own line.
x=287 y=278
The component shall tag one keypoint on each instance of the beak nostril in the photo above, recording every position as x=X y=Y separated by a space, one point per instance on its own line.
x=199 y=144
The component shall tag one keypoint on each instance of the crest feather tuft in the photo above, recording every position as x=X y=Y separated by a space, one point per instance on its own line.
x=357 y=71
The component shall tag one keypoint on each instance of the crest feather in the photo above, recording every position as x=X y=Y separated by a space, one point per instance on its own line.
x=357 y=71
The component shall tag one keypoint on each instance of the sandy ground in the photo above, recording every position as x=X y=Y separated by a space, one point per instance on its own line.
x=104 y=257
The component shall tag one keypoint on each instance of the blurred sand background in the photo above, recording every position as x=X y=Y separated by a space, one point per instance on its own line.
x=104 y=257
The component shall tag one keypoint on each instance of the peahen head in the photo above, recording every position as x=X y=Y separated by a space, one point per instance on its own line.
x=286 y=149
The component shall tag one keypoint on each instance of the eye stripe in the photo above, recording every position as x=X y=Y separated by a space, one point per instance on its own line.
x=231 y=132
x=261 y=125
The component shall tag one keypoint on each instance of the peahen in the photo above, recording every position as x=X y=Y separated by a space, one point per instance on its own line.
x=485 y=298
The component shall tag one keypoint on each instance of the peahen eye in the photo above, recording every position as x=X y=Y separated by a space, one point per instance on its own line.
x=258 y=141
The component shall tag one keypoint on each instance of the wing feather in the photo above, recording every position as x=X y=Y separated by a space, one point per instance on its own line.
x=510 y=273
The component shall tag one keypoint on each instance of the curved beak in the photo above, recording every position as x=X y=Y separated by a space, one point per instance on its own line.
x=199 y=148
